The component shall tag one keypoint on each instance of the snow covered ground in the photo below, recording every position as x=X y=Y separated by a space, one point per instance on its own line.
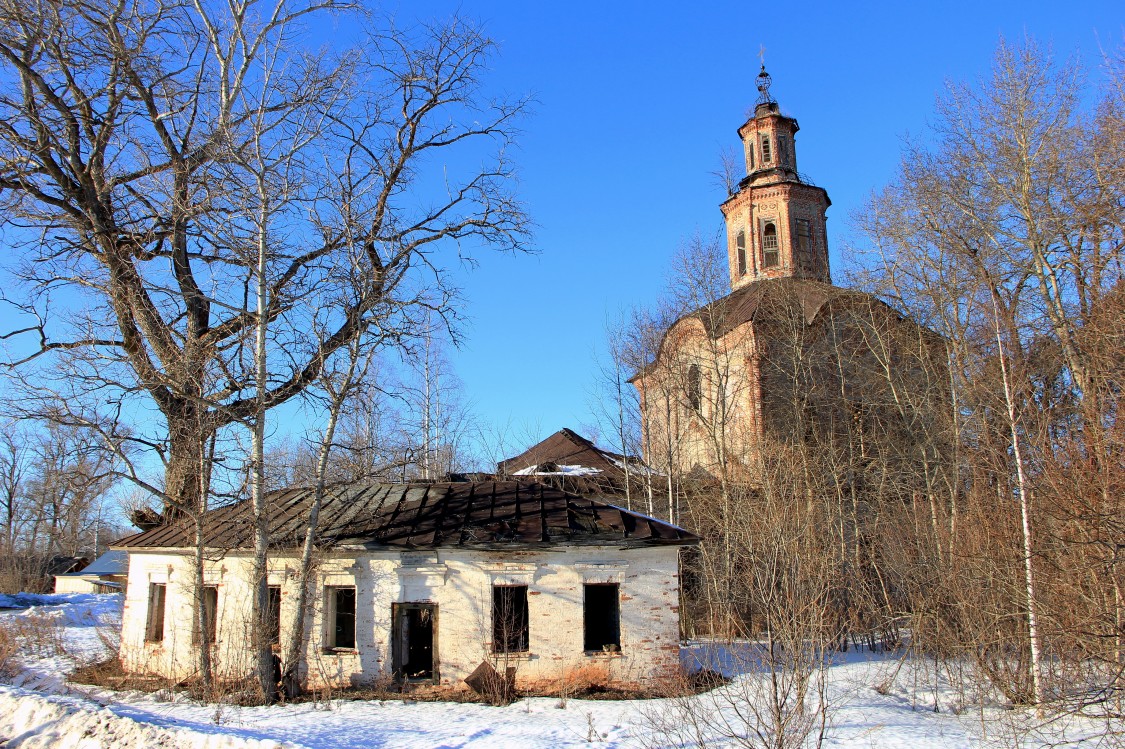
x=38 y=708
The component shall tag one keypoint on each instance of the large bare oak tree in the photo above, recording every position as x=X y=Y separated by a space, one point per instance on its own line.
x=124 y=129
x=189 y=193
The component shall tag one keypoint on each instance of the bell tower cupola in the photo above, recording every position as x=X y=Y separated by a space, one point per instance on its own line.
x=776 y=223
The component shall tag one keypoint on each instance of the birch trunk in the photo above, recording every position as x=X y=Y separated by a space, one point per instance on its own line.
x=263 y=651
x=1031 y=599
x=295 y=639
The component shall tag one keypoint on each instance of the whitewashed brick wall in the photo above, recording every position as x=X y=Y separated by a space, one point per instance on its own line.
x=458 y=582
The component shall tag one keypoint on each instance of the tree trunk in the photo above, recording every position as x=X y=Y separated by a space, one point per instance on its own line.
x=294 y=644
x=1030 y=590
x=259 y=609
x=183 y=477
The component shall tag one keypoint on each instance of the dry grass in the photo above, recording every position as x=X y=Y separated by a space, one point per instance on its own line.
x=38 y=635
x=110 y=675
x=9 y=649
x=588 y=683
x=34 y=635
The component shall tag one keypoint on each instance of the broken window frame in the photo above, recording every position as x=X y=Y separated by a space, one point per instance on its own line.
x=771 y=245
x=336 y=631
x=694 y=388
x=210 y=598
x=740 y=247
x=157 y=603
x=803 y=230
x=767 y=152
x=784 y=153
x=511 y=627
x=273 y=614
x=601 y=619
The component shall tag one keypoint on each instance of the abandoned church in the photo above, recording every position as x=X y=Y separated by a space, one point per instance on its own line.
x=786 y=355
x=542 y=572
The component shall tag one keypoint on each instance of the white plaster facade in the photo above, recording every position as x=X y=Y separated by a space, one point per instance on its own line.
x=76 y=584
x=458 y=583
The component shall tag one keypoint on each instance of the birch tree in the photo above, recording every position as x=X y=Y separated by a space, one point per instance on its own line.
x=1004 y=232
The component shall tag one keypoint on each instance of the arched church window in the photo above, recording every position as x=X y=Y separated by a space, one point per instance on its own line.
x=767 y=154
x=694 y=388
x=770 y=255
x=740 y=247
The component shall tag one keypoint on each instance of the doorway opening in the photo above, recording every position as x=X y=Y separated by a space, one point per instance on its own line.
x=415 y=635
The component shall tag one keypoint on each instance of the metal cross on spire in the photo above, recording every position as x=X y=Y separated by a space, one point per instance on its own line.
x=764 y=79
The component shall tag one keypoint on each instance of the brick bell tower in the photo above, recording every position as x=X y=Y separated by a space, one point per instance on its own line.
x=776 y=220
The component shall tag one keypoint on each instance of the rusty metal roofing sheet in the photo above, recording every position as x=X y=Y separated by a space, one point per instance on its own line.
x=464 y=514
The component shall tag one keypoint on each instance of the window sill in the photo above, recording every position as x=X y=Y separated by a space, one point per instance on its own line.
x=603 y=654
x=523 y=655
x=340 y=651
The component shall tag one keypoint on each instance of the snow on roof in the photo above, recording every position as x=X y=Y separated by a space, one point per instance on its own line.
x=554 y=469
x=114 y=562
x=634 y=466
x=566 y=448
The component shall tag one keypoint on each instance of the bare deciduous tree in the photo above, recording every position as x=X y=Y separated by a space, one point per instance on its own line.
x=1005 y=234
x=182 y=181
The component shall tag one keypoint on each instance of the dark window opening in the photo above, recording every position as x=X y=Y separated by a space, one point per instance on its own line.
x=154 y=627
x=694 y=388
x=740 y=245
x=804 y=243
x=770 y=255
x=509 y=619
x=782 y=149
x=750 y=157
x=273 y=614
x=341 y=629
x=210 y=596
x=602 y=618
x=804 y=234
x=767 y=155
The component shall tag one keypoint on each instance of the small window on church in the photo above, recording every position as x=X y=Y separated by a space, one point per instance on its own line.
x=782 y=149
x=694 y=388
x=740 y=247
x=804 y=244
x=750 y=158
x=804 y=234
x=770 y=255
x=767 y=154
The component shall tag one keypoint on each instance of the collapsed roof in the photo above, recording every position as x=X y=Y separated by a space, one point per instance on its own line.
x=478 y=514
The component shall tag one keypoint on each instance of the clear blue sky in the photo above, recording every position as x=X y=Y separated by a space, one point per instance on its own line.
x=636 y=101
